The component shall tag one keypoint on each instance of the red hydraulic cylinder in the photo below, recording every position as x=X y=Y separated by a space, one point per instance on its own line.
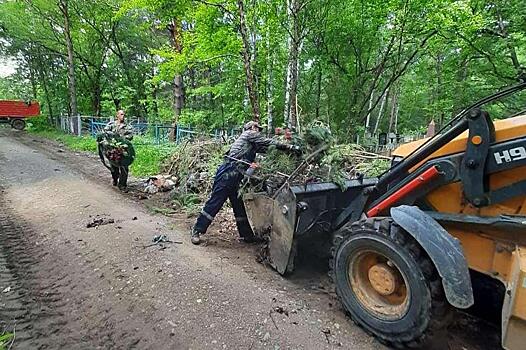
x=414 y=184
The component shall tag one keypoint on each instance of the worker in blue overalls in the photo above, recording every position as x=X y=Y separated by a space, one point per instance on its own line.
x=229 y=176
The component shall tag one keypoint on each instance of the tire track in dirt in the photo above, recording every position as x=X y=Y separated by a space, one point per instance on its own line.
x=32 y=312
x=44 y=304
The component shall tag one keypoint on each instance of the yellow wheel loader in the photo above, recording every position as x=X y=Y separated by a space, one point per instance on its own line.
x=446 y=222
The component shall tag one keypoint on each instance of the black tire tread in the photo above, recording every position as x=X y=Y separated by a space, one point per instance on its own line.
x=440 y=308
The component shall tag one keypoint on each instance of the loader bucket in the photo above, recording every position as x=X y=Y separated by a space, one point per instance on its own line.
x=299 y=214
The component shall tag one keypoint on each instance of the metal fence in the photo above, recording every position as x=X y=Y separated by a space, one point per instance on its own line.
x=158 y=133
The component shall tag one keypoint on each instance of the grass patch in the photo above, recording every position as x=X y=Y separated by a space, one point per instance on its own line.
x=5 y=339
x=163 y=211
x=149 y=157
x=75 y=143
x=189 y=202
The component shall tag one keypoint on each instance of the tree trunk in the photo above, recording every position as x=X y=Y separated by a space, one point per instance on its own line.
x=97 y=93
x=270 y=88
x=154 y=92
x=293 y=120
x=178 y=89
x=441 y=114
x=32 y=78
x=318 y=91
x=44 y=82
x=295 y=41
x=288 y=77
x=368 y=117
x=72 y=88
x=252 y=92
x=384 y=97
x=393 y=110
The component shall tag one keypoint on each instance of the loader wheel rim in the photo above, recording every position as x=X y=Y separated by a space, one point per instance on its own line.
x=379 y=285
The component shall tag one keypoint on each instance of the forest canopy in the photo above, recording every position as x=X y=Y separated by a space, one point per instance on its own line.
x=358 y=66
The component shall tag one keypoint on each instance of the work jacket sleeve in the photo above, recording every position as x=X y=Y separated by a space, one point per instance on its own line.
x=110 y=126
x=127 y=132
x=262 y=143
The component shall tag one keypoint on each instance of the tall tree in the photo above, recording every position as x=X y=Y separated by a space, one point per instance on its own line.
x=72 y=85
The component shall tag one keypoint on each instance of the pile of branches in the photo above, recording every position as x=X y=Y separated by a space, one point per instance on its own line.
x=194 y=164
x=323 y=160
x=116 y=148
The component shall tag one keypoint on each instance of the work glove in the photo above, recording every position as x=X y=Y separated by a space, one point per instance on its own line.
x=250 y=171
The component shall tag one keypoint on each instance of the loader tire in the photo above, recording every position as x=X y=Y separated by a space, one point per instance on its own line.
x=388 y=284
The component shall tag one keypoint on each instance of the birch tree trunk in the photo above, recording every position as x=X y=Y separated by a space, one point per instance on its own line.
x=394 y=106
x=72 y=86
x=384 y=97
x=295 y=42
x=270 y=87
x=252 y=92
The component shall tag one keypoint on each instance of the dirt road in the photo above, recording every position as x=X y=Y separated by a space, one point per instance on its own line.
x=63 y=285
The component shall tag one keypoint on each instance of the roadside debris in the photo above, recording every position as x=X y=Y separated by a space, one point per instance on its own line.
x=159 y=183
x=326 y=332
x=100 y=221
x=281 y=310
x=160 y=240
x=6 y=290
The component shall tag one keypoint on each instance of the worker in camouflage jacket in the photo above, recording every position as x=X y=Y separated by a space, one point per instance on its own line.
x=228 y=177
x=119 y=127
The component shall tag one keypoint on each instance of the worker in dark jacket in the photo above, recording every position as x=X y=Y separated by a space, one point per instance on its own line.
x=229 y=176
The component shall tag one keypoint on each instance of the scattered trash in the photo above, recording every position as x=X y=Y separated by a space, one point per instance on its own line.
x=100 y=221
x=151 y=189
x=159 y=183
x=281 y=310
x=160 y=240
x=272 y=318
x=326 y=332
x=6 y=290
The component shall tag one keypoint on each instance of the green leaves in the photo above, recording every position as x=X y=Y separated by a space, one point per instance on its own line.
x=423 y=59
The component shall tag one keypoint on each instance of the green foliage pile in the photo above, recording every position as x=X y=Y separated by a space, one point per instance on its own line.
x=337 y=163
x=193 y=165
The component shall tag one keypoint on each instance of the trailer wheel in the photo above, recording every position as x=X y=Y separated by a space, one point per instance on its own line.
x=18 y=124
x=388 y=284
